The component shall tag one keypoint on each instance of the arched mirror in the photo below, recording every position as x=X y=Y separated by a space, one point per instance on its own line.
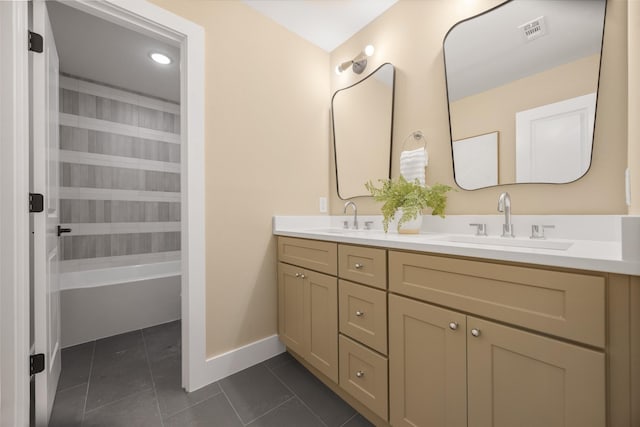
x=522 y=83
x=362 y=116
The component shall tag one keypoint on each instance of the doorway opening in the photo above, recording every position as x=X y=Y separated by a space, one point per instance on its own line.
x=127 y=258
x=119 y=157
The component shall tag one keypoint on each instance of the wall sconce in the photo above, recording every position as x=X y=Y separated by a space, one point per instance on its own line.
x=357 y=64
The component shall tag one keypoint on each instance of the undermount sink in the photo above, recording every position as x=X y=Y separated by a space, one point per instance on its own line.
x=340 y=230
x=506 y=241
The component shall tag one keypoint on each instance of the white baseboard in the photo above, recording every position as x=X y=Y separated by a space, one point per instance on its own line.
x=236 y=360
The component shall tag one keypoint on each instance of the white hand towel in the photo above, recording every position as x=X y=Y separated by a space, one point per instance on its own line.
x=419 y=153
x=412 y=164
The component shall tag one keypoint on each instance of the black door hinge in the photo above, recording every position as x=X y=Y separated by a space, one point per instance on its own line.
x=36 y=363
x=35 y=42
x=36 y=202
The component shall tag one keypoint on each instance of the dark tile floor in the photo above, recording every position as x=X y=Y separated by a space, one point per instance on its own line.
x=133 y=380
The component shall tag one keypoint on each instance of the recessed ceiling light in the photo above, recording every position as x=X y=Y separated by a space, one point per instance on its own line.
x=160 y=58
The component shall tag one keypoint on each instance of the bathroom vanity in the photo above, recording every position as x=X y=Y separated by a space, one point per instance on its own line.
x=429 y=331
x=451 y=328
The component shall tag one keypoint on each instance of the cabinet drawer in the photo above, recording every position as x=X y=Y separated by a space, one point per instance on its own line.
x=363 y=265
x=363 y=373
x=569 y=305
x=363 y=314
x=312 y=254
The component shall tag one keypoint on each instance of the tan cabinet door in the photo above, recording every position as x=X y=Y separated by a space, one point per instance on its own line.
x=291 y=327
x=516 y=378
x=427 y=365
x=321 y=318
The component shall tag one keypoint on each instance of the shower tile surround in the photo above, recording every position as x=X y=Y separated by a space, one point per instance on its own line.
x=117 y=148
x=120 y=194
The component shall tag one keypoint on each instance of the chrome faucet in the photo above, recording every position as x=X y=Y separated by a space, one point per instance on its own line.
x=355 y=213
x=504 y=205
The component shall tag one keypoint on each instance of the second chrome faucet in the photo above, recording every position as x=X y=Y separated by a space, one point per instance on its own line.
x=504 y=205
x=355 y=214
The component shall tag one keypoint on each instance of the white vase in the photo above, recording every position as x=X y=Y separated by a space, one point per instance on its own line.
x=410 y=227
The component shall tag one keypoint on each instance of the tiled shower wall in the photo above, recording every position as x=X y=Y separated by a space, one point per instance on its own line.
x=120 y=167
x=120 y=195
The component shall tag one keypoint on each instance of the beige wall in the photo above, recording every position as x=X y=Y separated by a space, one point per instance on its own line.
x=495 y=109
x=267 y=115
x=410 y=36
x=634 y=105
x=268 y=150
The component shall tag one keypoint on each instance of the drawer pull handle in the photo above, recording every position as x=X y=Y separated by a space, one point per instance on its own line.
x=475 y=332
x=453 y=326
x=358 y=266
x=359 y=313
x=360 y=374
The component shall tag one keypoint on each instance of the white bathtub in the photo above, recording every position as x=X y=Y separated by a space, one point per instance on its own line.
x=95 y=272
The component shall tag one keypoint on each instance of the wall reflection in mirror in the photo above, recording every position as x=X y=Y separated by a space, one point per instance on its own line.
x=522 y=79
x=362 y=117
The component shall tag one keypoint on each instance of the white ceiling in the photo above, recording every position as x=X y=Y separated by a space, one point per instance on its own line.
x=490 y=51
x=99 y=50
x=325 y=23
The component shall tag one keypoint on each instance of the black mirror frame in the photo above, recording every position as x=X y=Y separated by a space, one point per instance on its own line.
x=333 y=127
x=444 y=64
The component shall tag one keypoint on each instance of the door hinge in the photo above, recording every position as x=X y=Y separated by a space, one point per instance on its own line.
x=36 y=363
x=35 y=42
x=36 y=202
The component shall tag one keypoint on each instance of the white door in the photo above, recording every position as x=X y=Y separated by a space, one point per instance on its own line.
x=553 y=142
x=45 y=180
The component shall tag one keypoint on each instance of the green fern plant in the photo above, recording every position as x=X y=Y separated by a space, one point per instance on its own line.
x=410 y=196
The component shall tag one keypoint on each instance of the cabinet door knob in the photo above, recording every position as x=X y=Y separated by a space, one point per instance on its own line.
x=453 y=326
x=302 y=276
x=359 y=313
x=297 y=274
x=360 y=374
x=358 y=266
x=475 y=332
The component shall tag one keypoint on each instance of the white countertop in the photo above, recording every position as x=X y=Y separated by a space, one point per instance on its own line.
x=603 y=255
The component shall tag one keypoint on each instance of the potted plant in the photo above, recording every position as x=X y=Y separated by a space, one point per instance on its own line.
x=408 y=199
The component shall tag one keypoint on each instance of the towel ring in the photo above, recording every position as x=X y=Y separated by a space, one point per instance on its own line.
x=414 y=141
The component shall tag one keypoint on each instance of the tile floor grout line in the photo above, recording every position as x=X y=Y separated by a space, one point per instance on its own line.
x=190 y=405
x=272 y=409
x=153 y=381
x=86 y=395
x=349 y=420
x=119 y=400
x=231 y=404
x=62 y=390
x=296 y=395
x=193 y=404
x=122 y=398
